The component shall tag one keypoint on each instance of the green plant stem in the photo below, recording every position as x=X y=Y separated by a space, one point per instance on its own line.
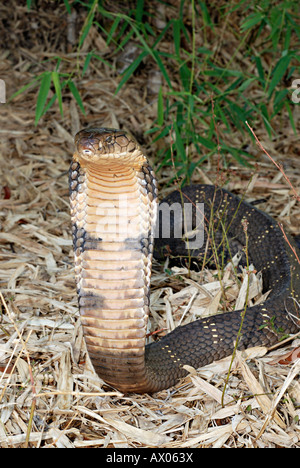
x=243 y=314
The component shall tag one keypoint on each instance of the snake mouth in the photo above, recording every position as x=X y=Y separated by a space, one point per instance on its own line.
x=93 y=144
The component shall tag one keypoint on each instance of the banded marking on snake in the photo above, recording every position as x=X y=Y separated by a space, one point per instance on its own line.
x=114 y=206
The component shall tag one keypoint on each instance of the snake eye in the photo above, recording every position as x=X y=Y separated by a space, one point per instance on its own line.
x=109 y=139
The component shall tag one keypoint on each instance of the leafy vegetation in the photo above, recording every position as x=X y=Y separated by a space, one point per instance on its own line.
x=202 y=87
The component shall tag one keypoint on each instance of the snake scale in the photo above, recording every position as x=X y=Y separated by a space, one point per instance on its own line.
x=114 y=206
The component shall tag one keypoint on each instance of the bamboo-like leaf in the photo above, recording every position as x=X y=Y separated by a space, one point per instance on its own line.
x=85 y=30
x=162 y=68
x=209 y=144
x=181 y=154
x=266 y=119
x=279 y=100
x=160 y=108
x=34 y=83
x=131 y=69
x=139 y=11
x=245 y=84
x=88 y=23
x=220 y=115
x=42 y=96
x=278 y=72
x=205 y=15
x=113 y=29
x=67 y=5
x=89 y=57
x=251 y=21
x=76 y=95
x=176 y=35
x=56 y=82
x=86 y=63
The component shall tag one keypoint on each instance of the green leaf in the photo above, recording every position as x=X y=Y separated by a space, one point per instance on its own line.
x=56 y=82
x=160 y=108
x=89 y=57
x=86 y=63
x=246 y=83
x=176 y=35
x=156 y=56
x=52 y=100
x=205 y=15
x=162 y=134
x=220 y=114
x=42 y=96
x=49 y=104
x=85 y=31
x=278 y=72
x=76 y=95
x=181 y=154
x=126 y=38
x=252 y=20
x=34 y=82
x=113 y=29
x=88 y=23
x=130 y=70
x=235 y=84
x=67 y=5
x=209 y=144
x=221 y=72
x=185 y=77
x=139 y=10
x=266 y=119
x=279 y=100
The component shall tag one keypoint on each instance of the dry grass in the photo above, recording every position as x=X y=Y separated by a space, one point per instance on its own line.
x=49 y=394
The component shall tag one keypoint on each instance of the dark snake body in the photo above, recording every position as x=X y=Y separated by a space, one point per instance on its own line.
x=113 y=274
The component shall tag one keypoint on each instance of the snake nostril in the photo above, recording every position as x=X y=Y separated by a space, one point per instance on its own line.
x=87 y=145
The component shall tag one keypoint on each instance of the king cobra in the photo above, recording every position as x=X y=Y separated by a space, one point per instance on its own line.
x=114 y=206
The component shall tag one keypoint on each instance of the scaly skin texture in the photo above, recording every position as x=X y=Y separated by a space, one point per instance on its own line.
x=113 y=196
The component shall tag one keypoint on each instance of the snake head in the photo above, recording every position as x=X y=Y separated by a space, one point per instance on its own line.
x=95 y=144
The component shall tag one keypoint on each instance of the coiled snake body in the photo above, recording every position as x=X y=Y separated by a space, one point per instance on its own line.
x=113 y=196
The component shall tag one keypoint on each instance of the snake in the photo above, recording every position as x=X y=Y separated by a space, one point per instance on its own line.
x=119 y=227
